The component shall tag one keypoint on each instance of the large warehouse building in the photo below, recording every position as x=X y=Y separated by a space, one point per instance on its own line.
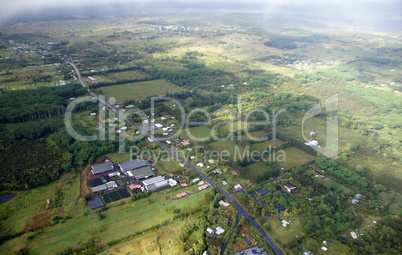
x=133 y=164
x=156 y=183
x=102 y=168
x=141 y=173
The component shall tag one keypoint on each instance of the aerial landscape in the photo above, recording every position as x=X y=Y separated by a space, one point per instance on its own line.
x=201 y=127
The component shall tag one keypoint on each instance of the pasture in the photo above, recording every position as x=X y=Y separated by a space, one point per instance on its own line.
x=230 y=148
x=120 y=220
x=294 y=157
x=195 y=133
x=138 y=90
x=267 y=144
x=29 y=203
x=258 y=168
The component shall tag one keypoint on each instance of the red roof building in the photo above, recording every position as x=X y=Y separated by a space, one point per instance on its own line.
x=184 y=184
x=134 y=186
x=180 y=195
x=234 y=172
x=203 y=187
x=48 y=201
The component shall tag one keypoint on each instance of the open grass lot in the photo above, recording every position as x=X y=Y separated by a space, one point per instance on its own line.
x=235 y=151
x=121 y=220
x=284 y=235
x=258 y=168
x=234 y=126
x=118 y=157
x=30 y=203
x=163 y=241
x=139 y=90
x=294 y=157
x=195 y=133
x=267 y=144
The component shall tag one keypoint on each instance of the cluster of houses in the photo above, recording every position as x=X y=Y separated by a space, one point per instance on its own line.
x=138 y=170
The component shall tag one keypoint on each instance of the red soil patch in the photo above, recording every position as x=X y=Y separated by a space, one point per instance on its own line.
x=40 y=220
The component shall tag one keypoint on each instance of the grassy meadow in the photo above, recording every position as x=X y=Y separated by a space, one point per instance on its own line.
x=139 y=90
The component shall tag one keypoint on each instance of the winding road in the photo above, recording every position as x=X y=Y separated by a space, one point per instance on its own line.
x=242 y=211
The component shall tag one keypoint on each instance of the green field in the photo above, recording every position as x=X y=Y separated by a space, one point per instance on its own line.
x=139 y=90
x=233 y=127
x=266 y=145
x=195 y=133
x=164 y=241
x=119 y=221
x=32 y=202
x=235 y=151
x=284 y=235
x=258 y=168
x=294 y=157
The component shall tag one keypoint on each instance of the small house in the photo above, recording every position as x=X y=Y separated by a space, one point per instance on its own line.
x=203 y=187
x=183 y=194
x=290 y=188
x=324 y=249
x=210 y=230
x=238 y=187
x=225 y=204
x=219 y=230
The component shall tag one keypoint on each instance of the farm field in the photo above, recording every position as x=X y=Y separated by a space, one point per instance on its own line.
x=294 y=157
x=268 y=144
x=258 y=168
x=234 y=151
x=164 y=240
x=29 y=203
x=119 y=221
x=195 y=133
x=139 y=90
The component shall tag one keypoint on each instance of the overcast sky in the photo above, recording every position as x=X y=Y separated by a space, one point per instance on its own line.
x=9 y=8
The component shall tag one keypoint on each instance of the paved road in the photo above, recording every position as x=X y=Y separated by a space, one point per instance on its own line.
x=243 y=212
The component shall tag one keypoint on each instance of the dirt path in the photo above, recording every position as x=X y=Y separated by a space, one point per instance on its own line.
x=83 y=182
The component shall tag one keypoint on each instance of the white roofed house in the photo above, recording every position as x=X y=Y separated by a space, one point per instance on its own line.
x=156 y=183
x=111 y=185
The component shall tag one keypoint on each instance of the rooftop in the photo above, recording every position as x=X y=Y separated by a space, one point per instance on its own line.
x=101 y=168
x=142 y=173
x=96 y=203
x=133 y=164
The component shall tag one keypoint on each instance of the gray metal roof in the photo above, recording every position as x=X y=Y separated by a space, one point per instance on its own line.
x=96 y=203
x=158 y=185
x=143 y=172
x=99 y=188
x=133 y=164
x=101 y=168
x=153 y=180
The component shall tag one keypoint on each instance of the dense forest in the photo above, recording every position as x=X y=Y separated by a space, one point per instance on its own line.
x=25 y=105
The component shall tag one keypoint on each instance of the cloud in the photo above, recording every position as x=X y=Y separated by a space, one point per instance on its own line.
x=11 y=8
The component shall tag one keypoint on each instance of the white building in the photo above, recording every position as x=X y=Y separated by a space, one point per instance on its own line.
x=223 y=203
x=219 y=230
